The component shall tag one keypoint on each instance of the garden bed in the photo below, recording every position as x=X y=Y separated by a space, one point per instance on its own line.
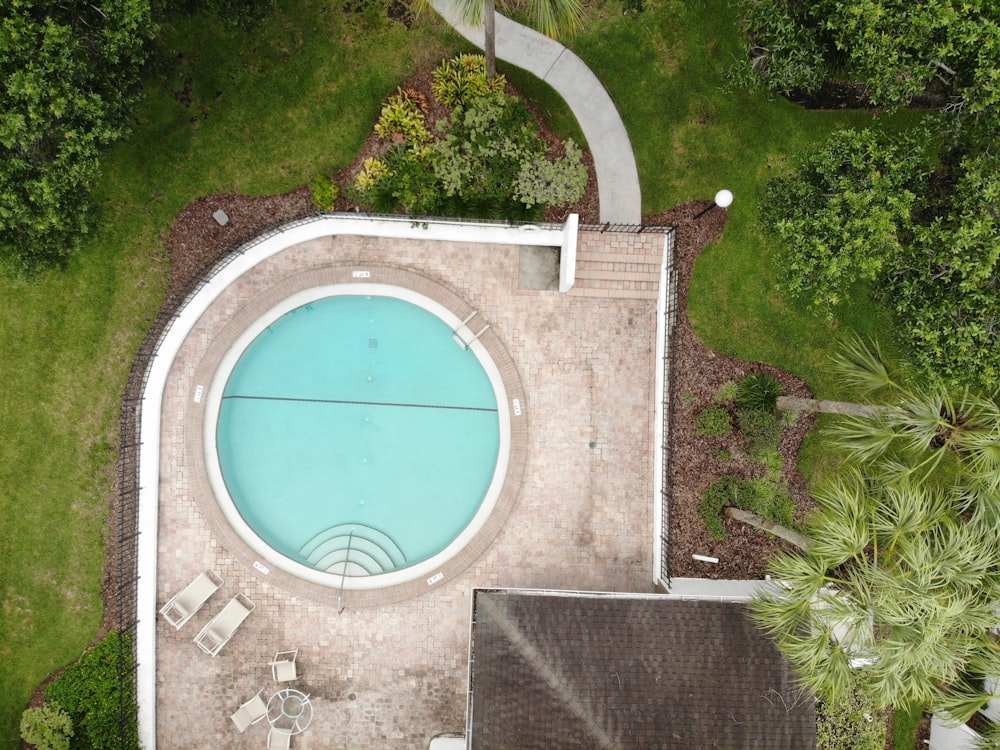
x=698 y=374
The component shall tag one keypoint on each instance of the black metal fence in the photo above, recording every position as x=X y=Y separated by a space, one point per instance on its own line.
x=666 y=485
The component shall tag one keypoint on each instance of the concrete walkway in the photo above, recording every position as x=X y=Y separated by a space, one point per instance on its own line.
x=617 y=176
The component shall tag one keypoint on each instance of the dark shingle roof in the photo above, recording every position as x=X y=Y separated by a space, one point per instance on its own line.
x=558 y=671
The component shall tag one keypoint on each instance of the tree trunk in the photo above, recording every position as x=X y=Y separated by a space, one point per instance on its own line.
x=812 y=405
x=764 y=524
x=490 y=41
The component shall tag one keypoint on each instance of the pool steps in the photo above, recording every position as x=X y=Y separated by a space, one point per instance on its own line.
x=355 y=548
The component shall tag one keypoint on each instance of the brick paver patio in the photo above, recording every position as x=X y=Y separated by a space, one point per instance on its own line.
x=394 y=675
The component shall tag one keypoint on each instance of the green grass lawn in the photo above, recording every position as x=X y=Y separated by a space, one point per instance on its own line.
x=666 y=70
x=265 y=112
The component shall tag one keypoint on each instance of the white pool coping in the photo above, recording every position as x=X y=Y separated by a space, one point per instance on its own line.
x=151 y=403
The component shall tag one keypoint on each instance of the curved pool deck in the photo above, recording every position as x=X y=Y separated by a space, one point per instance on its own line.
x=226 y=320
x=392 y=673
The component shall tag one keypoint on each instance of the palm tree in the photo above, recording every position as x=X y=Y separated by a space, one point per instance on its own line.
x=549 y=16
x=916 y=428
x=898 y=588
x=897 y=591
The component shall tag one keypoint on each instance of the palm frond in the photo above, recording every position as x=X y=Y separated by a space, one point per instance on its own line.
x=959 y=705
x=989 y=739
x=863 y=366
x=472 y=11
x=867 y=439
x=927 y=419
x=555 y=16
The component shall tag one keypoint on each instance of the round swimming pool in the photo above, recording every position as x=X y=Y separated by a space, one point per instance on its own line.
x=353 y=438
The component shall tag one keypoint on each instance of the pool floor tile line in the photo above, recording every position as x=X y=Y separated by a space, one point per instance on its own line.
x=393 y=674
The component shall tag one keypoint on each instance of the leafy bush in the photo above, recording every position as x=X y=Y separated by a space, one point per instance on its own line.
x=844 y=724
x=842 y=217
x=552 y=183
x=402 y=115
x=727 y=392
x=714 y=421
x=91 y=691
x=325 y=192
x=403 y=179
x=411 y=180
x=784 y=54
x=490 y=161
x=47 y=727
x=372 y=172
x=459 y=81
x=485 y=145
x=761 y=496
x=758 y=390
x=762 y=429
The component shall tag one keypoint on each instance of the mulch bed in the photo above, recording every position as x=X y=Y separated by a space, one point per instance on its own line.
x=698 y=373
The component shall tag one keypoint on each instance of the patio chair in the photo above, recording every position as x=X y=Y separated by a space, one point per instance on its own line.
x=183 y=606
x=250 y=712
x=278 y=739
x=283 y=666
x=224 y=625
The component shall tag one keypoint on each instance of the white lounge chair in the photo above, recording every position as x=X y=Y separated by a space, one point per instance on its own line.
x=278 y=739
x=250 y=712
x=283 y=666
x=183 y=606
x=224 y=625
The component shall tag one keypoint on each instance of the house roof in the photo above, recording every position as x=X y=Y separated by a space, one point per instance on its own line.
x=557 y=670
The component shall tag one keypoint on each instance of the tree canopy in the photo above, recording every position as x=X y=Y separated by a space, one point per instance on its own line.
x=68 y=77
x=867 y=213
x=947 y=51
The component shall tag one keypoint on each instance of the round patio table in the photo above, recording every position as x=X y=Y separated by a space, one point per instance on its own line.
x=289 y=710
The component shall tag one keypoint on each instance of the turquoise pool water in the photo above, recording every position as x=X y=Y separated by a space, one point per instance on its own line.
x=358 y=422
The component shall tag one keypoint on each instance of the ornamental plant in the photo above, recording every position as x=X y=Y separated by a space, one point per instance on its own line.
x=47 y=727
x=402 y=117
x=462 y=79
x=714 y=421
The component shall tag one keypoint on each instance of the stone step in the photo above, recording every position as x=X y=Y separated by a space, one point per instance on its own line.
x=585 y=291
x=653 y=260
x=583 y=272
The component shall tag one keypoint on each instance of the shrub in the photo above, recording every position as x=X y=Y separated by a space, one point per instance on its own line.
x=758 y=390
x=372 y=172
x=91 y=691
x=552 y=183
x=762 y=496
x=483 y=150
x=459 y=81
x=719 y=496
x=411 y=181
x=47 y=727
x=727 y=392
x=401 y=115
x=762 y=429
x=844 y=724
x=714 y=421
x=325 y=192
x=771 y=460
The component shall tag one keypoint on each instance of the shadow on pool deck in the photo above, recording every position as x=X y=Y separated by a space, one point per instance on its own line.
x=393 y=676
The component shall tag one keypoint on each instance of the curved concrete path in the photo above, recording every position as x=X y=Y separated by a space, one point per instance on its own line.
x=617 y=176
